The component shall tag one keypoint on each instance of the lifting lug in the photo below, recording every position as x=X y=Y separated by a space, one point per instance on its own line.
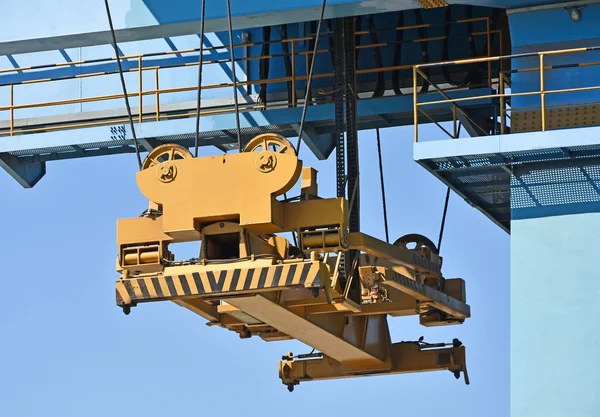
x=245 y=333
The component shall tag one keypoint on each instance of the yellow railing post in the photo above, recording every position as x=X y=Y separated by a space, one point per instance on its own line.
x=542 y=92
x=501 y=81
x=489 y=50
x=140 y=95
x=157 y=94
x=12 y=110
x=293 y=73
x=415 y=104
x=454 y=121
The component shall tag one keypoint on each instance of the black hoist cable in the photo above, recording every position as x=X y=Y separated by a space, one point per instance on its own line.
x=443 y=219
x=311 y=46
x=114 y=39
x=380 y=85
x=424 y=50
x=443 y=225
x=264 y=65
x=200 y=62
x=287 y=61
x=472 y=74
x=309 y=80
x=233 y=76
x=398 y=54
x=446 y=48
x=385 y=220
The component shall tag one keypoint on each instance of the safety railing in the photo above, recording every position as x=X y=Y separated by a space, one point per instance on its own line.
x=500 y=98
x=295 y=79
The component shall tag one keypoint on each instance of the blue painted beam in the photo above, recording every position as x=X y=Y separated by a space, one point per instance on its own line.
x=27 y=174
x=154 y=19
x=320 y=145
x=223 y=122
x=26 y=153
x=73 y=71
x=532 y=145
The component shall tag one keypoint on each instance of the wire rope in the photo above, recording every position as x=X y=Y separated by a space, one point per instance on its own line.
x=233 y=76
x=385 y=220
x=309 y=80
x=200 y=63
x=118 y=57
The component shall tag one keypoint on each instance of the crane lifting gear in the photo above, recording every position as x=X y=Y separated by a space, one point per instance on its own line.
x=251 y=280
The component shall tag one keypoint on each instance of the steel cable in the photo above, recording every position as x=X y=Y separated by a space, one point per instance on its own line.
x=114 y=39
x=200 y=62
x=233 y=76
x=309 y=80
x=442 y=226
x=385 y=220
x=443 y=219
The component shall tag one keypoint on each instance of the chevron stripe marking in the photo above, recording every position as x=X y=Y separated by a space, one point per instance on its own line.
x=214 y=282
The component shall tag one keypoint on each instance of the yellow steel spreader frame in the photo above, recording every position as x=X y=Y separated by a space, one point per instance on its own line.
x=330 y=289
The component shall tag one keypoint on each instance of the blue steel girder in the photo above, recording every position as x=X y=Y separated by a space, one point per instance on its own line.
x=155 y=19
x=73 y=71
x=159 y=19
x=38 y=148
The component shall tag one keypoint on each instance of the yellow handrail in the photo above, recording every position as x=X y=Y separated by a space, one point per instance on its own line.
x=503 y=81
x=157 y=92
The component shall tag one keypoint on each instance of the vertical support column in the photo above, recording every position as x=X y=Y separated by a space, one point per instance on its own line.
x=555 y=235
x=352 y=148
x=351 y=126
x=338 y=92
x=339 y=82
x=344 y=68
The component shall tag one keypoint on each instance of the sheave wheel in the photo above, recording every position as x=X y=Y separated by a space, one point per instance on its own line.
x=270 y=142
x=416 y=242
x=164 y=153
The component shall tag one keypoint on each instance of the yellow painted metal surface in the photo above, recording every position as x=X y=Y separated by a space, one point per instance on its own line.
x=255 y=282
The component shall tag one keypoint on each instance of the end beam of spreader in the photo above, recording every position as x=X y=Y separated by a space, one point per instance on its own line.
x=406 y=357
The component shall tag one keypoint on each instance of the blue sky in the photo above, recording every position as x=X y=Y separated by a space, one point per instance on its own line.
x=67 y=350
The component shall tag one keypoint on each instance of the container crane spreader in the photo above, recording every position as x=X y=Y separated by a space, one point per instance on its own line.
x=331 y=289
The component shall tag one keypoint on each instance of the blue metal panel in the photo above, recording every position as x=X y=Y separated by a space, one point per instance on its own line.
x=554 y=291
x=409 y=52
x=384 y=24
x=535 y=31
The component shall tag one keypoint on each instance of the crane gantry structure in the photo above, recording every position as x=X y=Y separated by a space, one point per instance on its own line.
x=519 y=77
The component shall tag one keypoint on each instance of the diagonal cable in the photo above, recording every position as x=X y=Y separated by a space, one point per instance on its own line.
x=309 y=80
x=235 y=96
x=200 y=62
x=385 y=219
x=114 y=39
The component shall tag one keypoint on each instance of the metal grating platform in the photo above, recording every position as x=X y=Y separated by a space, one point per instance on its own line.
x=479 y=169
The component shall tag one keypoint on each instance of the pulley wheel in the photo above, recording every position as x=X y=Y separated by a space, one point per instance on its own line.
x=164 y=153
x=416 y=242
x=270 y=142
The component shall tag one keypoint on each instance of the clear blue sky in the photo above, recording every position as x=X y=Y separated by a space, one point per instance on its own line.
x=67 y=350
